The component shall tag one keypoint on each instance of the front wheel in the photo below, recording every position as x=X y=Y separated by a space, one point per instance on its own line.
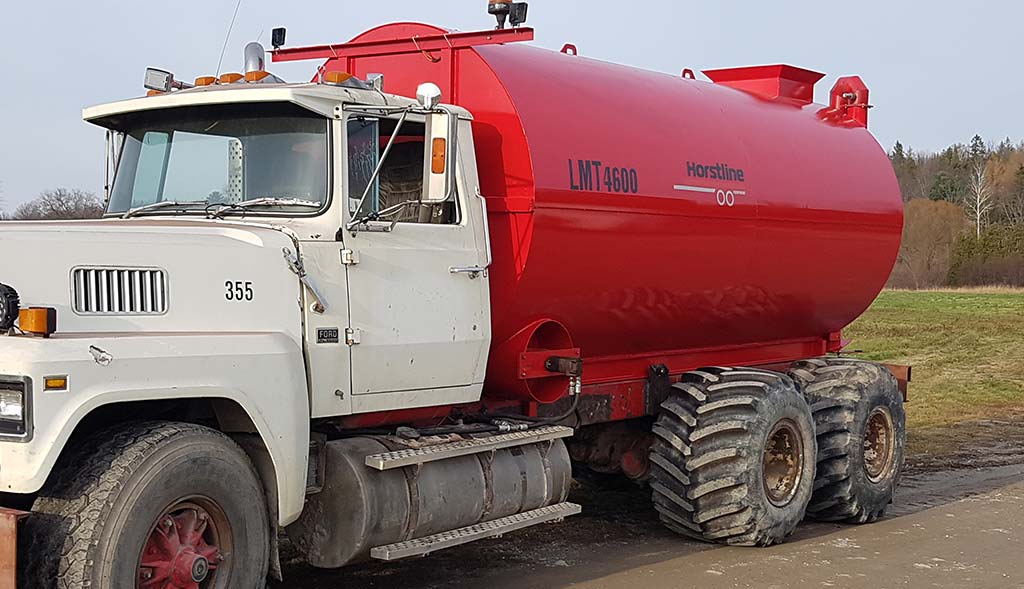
x=153 y=506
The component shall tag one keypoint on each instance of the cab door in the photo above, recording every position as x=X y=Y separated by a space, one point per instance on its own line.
x=419 y=315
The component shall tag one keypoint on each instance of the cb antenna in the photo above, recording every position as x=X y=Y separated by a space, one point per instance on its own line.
x=227 y=37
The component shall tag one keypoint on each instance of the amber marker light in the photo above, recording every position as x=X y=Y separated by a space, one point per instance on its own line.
x=230 y=78
x=40 y=321
x=55 y=383
x=206 y=81
x=256 y=75
x=336 y=77
x=438 y=155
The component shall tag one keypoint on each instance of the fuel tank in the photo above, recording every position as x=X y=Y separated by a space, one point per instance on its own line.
x=360 y=508
x=643 y=217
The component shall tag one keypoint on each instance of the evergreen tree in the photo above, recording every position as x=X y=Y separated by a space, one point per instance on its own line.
x=978 y=150
x=898 y=155
x=947 y=187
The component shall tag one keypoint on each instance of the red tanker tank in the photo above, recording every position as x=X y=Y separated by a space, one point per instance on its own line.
x=644 y=218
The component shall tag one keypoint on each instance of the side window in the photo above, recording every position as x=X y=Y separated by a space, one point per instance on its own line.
x=363 y=155
x=401 y=176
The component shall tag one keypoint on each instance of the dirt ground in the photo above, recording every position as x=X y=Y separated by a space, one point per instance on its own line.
x=957 y=521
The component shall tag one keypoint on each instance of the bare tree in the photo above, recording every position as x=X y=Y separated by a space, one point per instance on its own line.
x=1013 y=202
x=978 y=201
x=60 y=203
x=930 y=230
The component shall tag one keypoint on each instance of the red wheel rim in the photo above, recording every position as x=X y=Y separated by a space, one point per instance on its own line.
x=187 y=548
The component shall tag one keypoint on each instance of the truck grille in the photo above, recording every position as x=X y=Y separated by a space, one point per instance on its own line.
x=119 y=291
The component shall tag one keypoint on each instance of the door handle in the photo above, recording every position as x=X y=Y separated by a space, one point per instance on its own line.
x=473 y=271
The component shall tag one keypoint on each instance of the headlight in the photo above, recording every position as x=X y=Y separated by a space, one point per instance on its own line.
x=12 y=406
x=13 y=409
x=9 y=305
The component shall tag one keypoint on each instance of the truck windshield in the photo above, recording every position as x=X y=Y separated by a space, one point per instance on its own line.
x=272 y=162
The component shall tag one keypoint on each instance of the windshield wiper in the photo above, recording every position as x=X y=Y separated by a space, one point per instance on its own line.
x=160 y=205
x=262 y=201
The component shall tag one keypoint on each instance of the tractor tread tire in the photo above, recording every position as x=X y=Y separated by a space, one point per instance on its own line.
x=704 y=452
x=842 y=393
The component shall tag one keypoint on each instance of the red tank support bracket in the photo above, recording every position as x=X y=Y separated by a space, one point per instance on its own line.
x=836 y=343
x=418 y=44
x=547 y=363
x=902 y=374
x=848 y=103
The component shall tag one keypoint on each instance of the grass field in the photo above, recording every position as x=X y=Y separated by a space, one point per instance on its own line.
x=966 y=347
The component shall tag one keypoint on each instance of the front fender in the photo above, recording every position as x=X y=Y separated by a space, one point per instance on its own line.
x=262 y=372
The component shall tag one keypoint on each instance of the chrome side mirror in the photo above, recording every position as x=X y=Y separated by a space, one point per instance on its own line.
x=440 y=157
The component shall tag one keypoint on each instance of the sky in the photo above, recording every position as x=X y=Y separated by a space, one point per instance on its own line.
x=939 y=71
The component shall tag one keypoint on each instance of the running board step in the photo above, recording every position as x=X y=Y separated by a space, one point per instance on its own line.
x=491 y=529
x=400 y=458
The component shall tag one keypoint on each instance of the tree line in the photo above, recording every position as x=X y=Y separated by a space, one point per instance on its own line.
x=964 y=215
x=58 y=203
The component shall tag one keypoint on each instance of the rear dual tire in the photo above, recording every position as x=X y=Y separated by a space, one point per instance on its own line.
x=733 y=457
x=861 y=432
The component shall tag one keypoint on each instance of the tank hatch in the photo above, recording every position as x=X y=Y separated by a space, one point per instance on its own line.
x=770 y=82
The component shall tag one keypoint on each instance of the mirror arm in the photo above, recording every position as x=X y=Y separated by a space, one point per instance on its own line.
x=486 y=228
x=351 y=225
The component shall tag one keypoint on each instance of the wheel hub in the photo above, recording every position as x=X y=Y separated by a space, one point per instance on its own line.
x=879 y=444
x=782 y=464
x=182 y=551
x=200 y=568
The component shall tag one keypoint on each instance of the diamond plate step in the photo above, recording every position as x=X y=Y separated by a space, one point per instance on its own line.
x=400 y=458
x=428 y=544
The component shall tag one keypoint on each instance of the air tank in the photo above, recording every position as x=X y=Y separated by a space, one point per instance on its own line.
x=642 y=217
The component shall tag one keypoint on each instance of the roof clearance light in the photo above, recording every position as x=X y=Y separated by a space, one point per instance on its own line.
x=256 y=75
x=206 y=81
x=230 y=78
x=337 y=78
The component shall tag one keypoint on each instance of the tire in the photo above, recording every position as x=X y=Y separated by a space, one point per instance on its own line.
x=708 y=457
x=106 y=500
x=852 y=399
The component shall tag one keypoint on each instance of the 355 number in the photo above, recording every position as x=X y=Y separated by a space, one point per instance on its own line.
x=238 y=290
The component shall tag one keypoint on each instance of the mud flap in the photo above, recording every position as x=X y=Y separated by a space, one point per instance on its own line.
x=9 y=519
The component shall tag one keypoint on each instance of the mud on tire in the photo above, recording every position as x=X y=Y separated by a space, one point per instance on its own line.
x=716 y=437
x=861 y=430
x=104 y=498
